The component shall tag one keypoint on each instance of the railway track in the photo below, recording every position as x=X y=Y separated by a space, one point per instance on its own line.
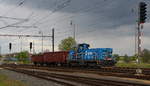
x=71 y=80
x=107 y=71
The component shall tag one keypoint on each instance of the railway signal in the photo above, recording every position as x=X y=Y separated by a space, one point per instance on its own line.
x=141 y=20
x=10 y=46
x=142 y=12
x=30 y=46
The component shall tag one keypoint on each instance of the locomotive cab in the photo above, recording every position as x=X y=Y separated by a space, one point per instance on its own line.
x=82 y=47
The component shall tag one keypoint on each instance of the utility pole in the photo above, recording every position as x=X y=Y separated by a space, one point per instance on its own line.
x=0 y=51
x=33 y=48
x=74 y=29
x=42 y=42
x=40 y=32
x=136 y=41
x=53 y=40
x=21 y=44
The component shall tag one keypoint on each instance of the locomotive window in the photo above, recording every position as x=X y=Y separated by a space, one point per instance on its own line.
x=81 y=47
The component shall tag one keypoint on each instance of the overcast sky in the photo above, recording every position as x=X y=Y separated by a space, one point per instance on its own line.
x=101 y=23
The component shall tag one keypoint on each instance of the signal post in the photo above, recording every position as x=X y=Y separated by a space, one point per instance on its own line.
x=141 y=20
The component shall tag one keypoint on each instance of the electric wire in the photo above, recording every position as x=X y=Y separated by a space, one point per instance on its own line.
x=18 y=5
x=60 y=32
x=83 y=9
x=59 y=7
x=36 y=21
x=80 y=10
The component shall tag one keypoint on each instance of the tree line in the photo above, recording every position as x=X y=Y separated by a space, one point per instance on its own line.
x=144 y=57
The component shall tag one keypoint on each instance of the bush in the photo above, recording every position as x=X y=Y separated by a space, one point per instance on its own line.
x=23 y=57
x=117 y=57
x=126 y=58
x=145 y=56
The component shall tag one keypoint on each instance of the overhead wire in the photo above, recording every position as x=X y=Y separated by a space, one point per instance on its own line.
x=12 y=9
x=23 y=20
x=59 y=7
x=34 y=20
x=62 y=32
x=81 y=9
x=20 y=22
x=17 y=22
x=80 y=15
x=1 y=19
x=86 y=10
x=20 y=3
x=91 y=25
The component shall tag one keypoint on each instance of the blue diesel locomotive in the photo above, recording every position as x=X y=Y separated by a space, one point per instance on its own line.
x=83 y=56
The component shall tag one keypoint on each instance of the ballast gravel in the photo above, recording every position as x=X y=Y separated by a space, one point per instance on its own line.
x=27 y=80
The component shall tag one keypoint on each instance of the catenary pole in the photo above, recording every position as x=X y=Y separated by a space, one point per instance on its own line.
x=53 y=40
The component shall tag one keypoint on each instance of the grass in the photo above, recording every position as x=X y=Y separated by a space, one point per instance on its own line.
x=19 y=62
x=5 y=81
x=131 y=64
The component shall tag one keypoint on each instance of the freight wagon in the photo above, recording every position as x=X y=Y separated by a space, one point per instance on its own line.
x=37 y=59
x=50 y=58
x=81 y=56
x=55 y=58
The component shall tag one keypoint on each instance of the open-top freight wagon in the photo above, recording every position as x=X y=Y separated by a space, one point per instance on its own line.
x=82 y=56
x=55 y=58
x=37 y=59
x=50 y=58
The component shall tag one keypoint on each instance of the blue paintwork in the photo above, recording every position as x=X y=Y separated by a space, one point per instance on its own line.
x=83 y=53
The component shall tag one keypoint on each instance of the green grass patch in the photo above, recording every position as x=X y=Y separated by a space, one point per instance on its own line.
x=141 y=65
x=5 y=81
x=18 y=62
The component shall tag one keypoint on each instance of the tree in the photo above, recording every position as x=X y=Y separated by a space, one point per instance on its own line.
x=67 y=44
x=117 y=57
x=126 y=58
x=145 y=56
x=23 y=56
